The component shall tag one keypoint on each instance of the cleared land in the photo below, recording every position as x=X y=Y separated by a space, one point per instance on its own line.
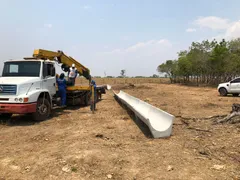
x=75 y=144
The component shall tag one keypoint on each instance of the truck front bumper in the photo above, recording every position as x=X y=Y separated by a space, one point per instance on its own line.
x=18 y=108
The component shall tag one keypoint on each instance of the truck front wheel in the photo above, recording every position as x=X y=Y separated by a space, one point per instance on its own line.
x=43 y=110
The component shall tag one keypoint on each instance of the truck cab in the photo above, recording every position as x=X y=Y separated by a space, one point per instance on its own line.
x=27 y=87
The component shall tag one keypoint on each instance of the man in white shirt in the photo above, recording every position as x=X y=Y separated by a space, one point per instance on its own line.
x=72 y=74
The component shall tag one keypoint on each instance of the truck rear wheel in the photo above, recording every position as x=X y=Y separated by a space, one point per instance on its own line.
x=43 y=110
x=86 y=100
x=5 y=116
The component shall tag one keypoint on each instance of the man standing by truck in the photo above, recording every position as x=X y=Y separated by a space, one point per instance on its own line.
x=72 y=74
x=61 y=82
x=94 y=99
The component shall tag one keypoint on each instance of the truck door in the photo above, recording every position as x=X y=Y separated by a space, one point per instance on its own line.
x=235 y=85
x=49 y=78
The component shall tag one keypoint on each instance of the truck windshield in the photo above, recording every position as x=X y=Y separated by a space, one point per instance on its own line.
x=22 y=68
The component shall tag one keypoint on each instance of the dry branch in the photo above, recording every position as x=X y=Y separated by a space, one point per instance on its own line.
x=235 y=112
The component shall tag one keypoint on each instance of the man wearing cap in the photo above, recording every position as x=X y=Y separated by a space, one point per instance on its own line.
x=72 y=74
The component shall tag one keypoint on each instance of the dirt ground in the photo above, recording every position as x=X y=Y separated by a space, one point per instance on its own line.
x=110 y=144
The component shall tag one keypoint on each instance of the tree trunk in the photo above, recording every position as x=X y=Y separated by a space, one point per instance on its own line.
x=235 y=112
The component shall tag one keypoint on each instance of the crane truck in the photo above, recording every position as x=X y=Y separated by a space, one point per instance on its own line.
x=28 y=86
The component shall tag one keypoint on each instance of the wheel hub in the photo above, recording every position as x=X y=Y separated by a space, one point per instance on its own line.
x=42 y=109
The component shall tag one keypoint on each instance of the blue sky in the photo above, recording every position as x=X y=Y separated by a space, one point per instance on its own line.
x=108 y=36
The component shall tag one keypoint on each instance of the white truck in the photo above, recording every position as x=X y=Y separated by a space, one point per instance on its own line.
x=231 y=87
x=28 y=86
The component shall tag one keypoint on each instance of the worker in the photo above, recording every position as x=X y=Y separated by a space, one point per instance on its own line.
x=61 y=82
x=72 y=74
x=93 y=104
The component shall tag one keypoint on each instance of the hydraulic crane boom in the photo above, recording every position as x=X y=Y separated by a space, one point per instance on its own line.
x=66 y=61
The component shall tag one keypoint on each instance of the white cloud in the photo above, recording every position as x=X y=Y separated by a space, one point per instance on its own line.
x=228 y=29
x=191 y=30
x=86 y=7
x=149 y=45
x=48 y=25
x=165 y=42
x=212 y=22
x=136 y=46
x=147 y=48
x=141 y=58
x=234 y=30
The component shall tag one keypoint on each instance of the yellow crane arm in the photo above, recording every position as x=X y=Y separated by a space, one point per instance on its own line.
x=66 y=61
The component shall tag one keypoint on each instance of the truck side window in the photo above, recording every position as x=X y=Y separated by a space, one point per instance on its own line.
x=13 y=68
x=49 y=70
x=53 y=71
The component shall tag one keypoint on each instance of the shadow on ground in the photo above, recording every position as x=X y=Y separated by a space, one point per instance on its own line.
x=141 y=125
x=26 y=120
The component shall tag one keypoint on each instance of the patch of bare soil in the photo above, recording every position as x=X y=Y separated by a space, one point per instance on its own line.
x=111 y=144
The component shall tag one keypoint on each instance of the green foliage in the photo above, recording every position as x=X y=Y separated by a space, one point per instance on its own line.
x=205 y=62
x=139 y=77
x=123 y=73
x=169 y=67
x=154 y=76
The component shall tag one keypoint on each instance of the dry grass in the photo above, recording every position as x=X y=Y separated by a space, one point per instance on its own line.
x=113 y=81
x=76 y=144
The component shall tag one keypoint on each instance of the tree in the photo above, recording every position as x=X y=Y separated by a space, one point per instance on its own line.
x=169 y=68
x=184 y=66
x=123 y=73
x=154 y=76
x=209 y=62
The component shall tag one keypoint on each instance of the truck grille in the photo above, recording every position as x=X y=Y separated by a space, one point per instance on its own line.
x=8 y=89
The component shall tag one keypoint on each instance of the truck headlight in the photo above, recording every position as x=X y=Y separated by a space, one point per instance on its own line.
x=21 y=100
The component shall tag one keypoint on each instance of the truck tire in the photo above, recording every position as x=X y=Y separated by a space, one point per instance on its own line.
x=5 y=116
x=43 y=110
x=86 y=100
x=223 y=91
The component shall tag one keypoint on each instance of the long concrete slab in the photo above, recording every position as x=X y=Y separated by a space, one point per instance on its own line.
x=159 y=122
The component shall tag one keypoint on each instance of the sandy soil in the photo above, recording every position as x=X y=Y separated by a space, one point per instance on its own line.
x=110 y=144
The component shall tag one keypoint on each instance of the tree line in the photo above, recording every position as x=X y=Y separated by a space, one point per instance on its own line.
x=206 y=62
